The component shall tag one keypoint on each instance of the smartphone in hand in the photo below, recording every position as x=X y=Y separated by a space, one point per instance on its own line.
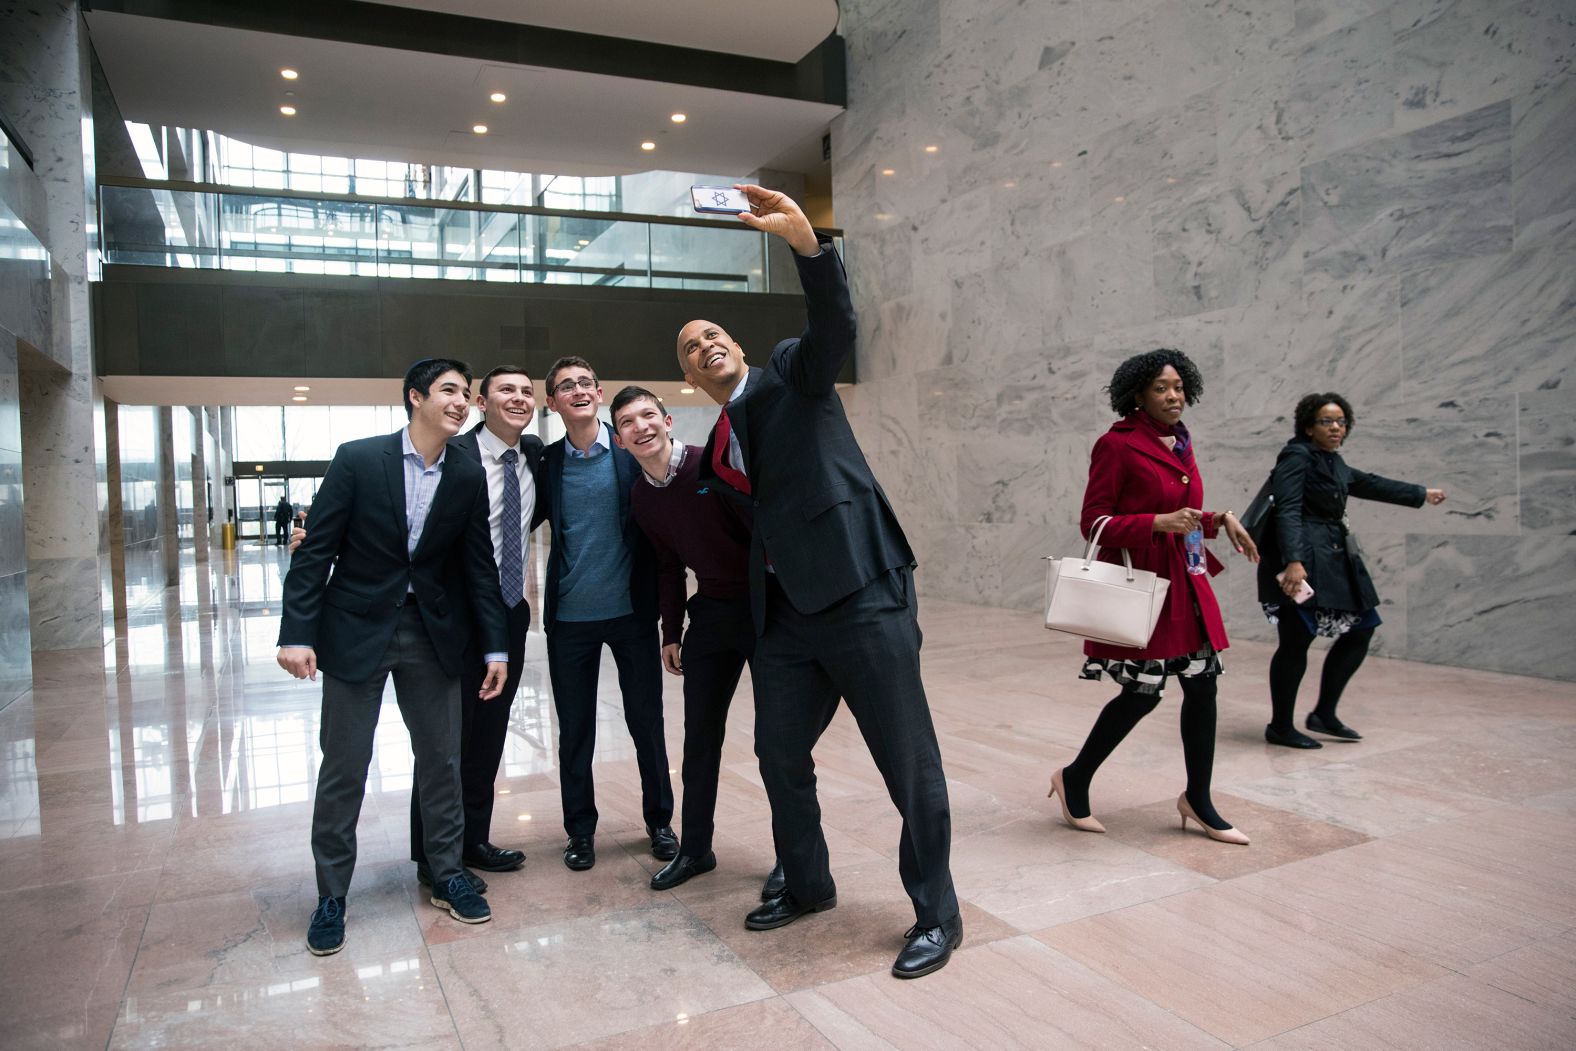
x=719 y=200
x=1304 y=590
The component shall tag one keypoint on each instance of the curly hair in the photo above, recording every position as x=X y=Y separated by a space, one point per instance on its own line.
x=1308 y=410
x=1135 y=374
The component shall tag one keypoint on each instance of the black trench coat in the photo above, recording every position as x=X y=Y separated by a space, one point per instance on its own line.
x=1311 y=488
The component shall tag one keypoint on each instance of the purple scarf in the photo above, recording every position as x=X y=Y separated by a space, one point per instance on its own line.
x=1183 y=449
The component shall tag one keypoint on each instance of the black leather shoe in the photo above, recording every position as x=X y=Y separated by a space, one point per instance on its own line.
x=489 y=858
x=1293 y=738
x=783 y=910
x=424 y=877
x=1332 y=726
x=928 y=948
x=580 y=854
x=664 y=844
x=681 y=869
x=775 y=883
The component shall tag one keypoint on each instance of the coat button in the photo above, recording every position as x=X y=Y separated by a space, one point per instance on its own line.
x=1184 y=479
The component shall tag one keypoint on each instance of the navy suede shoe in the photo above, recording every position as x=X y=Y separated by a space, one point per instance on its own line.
x=459 y=896
x=326 y=934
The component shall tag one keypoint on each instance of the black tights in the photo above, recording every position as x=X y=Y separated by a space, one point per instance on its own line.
x=1123 y=713
x=1291 y=660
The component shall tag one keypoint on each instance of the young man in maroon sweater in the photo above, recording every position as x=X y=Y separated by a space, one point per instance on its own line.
x=692 y=528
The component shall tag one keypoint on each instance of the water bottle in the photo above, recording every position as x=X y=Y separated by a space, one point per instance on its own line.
x=1195 y=551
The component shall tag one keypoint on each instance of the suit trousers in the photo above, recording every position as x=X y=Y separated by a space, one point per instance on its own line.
x=865 y=649
x=574 y=660
x=484 y=728
x=429 y=702
x=719 y=641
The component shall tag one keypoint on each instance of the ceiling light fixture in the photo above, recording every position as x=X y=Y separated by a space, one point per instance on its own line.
x=583 y=242
x=302 y=389
x=499 y=96
x=299 y=397
x=686 y=390
x=648 y=145
x=888 y=171
x=679 y=118
x=288 y=111
x=932 y=149
x=480 y=129
x=289 y=74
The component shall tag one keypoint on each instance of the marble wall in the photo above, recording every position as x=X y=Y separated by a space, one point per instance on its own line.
x=46 y=91
x=1368 y=196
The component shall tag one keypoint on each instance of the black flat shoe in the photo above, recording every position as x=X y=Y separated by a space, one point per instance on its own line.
x=681 y=869
x=1293 y=738
x=775 y=883
x=928 y=948
x=1333 y=727
x=580 y=854
x=424 y=877
x=664 y=844
x=489 y=858
x=783 y=910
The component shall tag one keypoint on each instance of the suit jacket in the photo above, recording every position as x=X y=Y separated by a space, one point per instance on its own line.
x=359 y=531
x=1133 y=478
x=818 y=511
x=531 y=448
x=643 y=558
x=1311 y=488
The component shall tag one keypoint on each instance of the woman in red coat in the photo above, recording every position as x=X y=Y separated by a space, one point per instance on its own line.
x=1143 y=475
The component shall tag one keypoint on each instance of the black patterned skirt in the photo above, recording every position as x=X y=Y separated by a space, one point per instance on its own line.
x=1149 y=676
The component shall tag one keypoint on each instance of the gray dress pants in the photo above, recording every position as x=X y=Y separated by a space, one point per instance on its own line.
x=429 y=701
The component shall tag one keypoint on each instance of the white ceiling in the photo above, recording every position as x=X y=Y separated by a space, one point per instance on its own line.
x=279 y=390
x=782 y=30
x=381 y=103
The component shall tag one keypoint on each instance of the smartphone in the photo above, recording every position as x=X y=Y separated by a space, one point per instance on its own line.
x=722 y=200
x=1304 y=590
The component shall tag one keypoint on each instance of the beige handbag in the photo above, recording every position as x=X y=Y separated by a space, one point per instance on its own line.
x=1117 y=605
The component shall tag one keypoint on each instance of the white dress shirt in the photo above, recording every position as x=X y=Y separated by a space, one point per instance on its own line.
x=492 y=449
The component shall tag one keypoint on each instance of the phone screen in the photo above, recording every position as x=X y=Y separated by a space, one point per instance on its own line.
x=724 y=200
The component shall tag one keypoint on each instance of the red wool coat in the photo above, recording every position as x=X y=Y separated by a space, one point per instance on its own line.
x=1133 y=477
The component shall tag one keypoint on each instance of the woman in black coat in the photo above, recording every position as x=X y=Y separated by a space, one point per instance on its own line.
x=1308 y=542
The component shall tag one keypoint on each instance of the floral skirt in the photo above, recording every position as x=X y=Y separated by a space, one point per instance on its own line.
x=1323 y=623
x=1149 y=676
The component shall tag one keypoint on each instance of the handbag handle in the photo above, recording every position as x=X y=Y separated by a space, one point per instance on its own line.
x=1092 y=548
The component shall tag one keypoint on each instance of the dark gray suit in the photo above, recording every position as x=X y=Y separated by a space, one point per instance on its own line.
x=836 y=617
x=386 y=611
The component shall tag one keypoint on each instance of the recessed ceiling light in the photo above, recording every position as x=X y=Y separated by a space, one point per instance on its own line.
x=888 y=171
x=288 y=74
x=288 y=111
x=648 y=145
x=1056 y=164
x=583 y=242
x=499 y=96
x=686 y=390
x=1118 y=200
x=299 y=397
x=303 y=389
x=480 y=129
x=679 y=118
x=932 y=149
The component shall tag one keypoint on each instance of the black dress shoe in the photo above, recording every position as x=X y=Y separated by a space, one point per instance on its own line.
x=1332 y=726
x=775 y=883
x=664 y=844
x=783 y=910
x=424 y=877
x=928 y=948
x=1292 y=738
x=681 y=869
x=489 y=858
x=580 y=854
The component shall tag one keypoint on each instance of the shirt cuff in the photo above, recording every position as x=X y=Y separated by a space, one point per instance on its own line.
x=489 y=658
x=294 y=646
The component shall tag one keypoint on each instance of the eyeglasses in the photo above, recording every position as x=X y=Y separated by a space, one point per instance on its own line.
x=1327 y=421
x=568 y=386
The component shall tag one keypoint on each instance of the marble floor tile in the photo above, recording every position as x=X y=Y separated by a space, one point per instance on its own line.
x=155 y=824
x=1238 y=967
x=1016 y=993
x=1278 y=836
x=564 y=983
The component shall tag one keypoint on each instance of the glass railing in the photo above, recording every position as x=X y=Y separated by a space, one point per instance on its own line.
x=279 y=231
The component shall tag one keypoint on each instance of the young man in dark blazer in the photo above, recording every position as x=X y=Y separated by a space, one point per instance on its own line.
x=832 y=594
x=601 y=590
x=394 y=518
x=512 y=460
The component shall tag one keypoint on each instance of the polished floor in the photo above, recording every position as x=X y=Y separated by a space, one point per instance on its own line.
x=1415 y=890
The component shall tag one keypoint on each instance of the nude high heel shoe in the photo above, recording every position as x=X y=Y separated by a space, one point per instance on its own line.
x=1220 y=835
x=1082 y=824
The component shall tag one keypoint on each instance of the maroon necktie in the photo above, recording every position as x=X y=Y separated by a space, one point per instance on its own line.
x=719 y=455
